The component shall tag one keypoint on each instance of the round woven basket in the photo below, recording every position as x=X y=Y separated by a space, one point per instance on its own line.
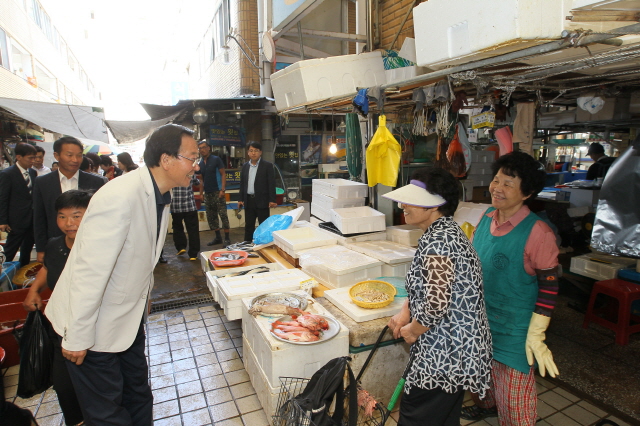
x=363 y=286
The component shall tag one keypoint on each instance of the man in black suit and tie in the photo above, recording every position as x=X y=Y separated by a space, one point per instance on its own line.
x=16 y=206
x=68 y=154
x=257 y=189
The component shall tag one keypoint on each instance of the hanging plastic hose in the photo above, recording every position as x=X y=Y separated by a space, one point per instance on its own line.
x=354 y=147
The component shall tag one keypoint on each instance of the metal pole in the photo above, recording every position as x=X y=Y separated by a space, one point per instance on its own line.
x=300 y=40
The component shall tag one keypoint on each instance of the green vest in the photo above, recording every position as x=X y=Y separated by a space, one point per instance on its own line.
x=509 y=292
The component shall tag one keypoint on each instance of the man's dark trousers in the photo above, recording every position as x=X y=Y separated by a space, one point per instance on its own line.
x=20 y=239
x=193 y=231
x=251 y=212
x=113 y=388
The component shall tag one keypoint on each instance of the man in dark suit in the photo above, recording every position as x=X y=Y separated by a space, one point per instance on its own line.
x=68 y=154
x=257 y=189
x=16 y=206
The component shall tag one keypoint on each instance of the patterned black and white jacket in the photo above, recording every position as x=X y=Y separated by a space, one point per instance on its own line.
x=445 y=290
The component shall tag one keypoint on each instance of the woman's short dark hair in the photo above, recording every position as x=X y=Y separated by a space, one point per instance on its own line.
x=86 y=164
x=95 y=158
x=528 y=169
x=24 y=149
x=165 y=139
x=73 y=199
x=57 y=145
x=442 y=183
x=105 y=160
x=256 y=145
x=127 y=161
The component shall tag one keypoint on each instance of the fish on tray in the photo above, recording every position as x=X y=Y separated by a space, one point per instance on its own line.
x=297 y=336
x=305 y=327
x=267 y=308
x=258 y=270
x=228 y=256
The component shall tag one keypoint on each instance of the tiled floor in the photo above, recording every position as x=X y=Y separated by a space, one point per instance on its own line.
x=198 y=378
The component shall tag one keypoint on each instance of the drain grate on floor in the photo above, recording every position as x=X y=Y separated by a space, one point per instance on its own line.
x=201 y=300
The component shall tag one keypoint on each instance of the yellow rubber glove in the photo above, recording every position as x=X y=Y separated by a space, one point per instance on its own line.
x=535 y=346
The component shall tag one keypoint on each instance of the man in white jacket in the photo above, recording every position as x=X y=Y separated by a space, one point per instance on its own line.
x=100 y=300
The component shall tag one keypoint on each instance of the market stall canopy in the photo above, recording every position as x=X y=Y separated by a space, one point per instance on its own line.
x=131 y=131
x=246 y=102
x=80 y=121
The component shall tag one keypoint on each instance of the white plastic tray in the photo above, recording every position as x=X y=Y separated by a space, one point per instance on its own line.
x=296 y=239
x=355 y=220
x=404 y=234
x=386 y=251
x=340 y=298
x=339 y=188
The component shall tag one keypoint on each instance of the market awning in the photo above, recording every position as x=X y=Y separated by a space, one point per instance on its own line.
x=80 y=121
x=131 y=131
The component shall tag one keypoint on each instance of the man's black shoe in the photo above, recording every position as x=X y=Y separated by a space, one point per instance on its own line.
x=162 y=260
x=227 y=242
x=217 y=240
x=475 y=413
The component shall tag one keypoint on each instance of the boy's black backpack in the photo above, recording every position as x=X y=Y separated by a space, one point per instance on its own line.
x=325 y=386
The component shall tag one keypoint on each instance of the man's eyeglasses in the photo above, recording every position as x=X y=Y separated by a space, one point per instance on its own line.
x=195 y=162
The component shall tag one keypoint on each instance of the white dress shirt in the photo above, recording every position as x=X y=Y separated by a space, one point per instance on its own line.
x=43 y=171
x=69 y=184
x=252 y=177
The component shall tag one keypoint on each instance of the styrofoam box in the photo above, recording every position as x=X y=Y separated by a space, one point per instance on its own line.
x=267 y=395
x=399 y=74
x=480 y=180
x=315 y=221
x=483 y=156
x=516 y=24
x=343 y=241
x=341 y=300
x=316 y=79
x=386 y=251
x=353 y=220
x=470 y=212
x=404 y=234
x=215 y=274
x=339 y=188
x=468 y=185
x=337 y=266
x=480 y=169
x=278 y=358
x=328 y=203
x=397 y=270
x=325 y=168
x=583 y=265
x=320 y=212
x=291 y=241
x=232 y=290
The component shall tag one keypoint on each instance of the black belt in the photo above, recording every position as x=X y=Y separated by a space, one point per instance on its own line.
x=252 y=195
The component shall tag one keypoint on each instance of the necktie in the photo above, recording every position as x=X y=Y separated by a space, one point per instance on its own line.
x=28 y=180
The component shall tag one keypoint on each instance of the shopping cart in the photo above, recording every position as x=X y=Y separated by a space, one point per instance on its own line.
x=289 y=412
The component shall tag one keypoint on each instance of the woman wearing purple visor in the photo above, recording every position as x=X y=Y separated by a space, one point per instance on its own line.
x=444 y=319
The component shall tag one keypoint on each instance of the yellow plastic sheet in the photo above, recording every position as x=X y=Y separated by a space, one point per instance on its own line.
x=383 y=156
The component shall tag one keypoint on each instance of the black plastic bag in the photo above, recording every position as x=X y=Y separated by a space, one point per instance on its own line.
x=36 y=356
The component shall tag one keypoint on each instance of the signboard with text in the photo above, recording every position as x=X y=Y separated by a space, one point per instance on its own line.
x=226 y=135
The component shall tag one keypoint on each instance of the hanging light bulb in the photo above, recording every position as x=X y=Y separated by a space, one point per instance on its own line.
x=333 y=148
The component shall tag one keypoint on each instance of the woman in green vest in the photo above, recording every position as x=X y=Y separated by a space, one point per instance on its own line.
x=519 y=259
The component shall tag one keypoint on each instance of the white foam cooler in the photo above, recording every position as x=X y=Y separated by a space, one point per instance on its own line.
x=316 y=79
x=341 y=299
x=277 y=358
x=386 y=251
x=320 y=212
x=232 y=290
x=327 y=202
x=291 y=241
x=404 y=234
x=337 y=266
x=215 y=274
x=396 y=270
x=600 y=266
x=354 y=220
x=339 y=188
x=267 y=395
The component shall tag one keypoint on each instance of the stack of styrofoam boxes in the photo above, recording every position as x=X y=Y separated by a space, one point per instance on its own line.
x=291 y=241
x=337 y=266
x=479 y=173
x=266 y=358
x=327 y=194
x=213 y=275
x=600 y=266
x=407 y=235
x=231 y=291
x=396 y=257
